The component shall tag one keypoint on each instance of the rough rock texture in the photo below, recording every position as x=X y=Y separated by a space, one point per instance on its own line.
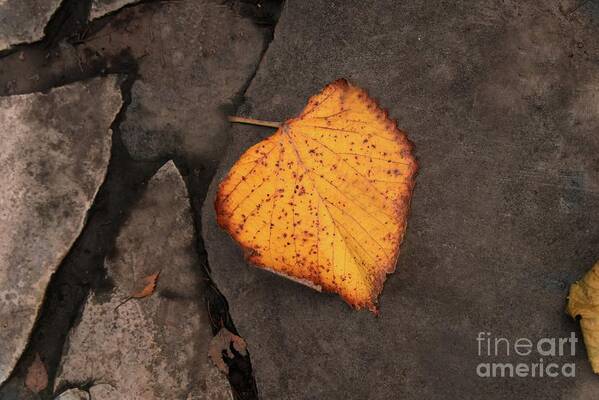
x=23 y=21
x=205 y=55
x=55 y=151
x=500 y=99
x=194 y=59
x=103 y=7
x=155 y=347
x=74 y=394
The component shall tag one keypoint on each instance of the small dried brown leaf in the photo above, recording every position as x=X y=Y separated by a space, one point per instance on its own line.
x=150 y=286
x=37 y=376
x=222 y=343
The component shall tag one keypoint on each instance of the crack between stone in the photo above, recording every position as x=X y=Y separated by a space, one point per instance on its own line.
x=82 y=270
x=70 y=20
x=241 y=377
x=241 y=98
x=68 y=17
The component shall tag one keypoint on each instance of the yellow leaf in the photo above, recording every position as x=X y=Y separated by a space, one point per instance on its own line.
x=36 y=379
x=150 y=286
x=583 y=301
x=325 y=200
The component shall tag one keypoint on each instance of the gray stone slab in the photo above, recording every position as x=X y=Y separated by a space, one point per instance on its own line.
x=74 y=394
x=100 y=8
x=55 y=152
x=500 y=99
x=194 y=56
x=155 y=347
x=23 y=21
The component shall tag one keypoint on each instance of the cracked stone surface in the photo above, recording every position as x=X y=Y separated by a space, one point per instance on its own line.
x=74 y=394
x=500 y=99
x=100 y=391
x=23 y=21
x=194 y=56
x=100 y=8
x=156 y=347
x=55 y=151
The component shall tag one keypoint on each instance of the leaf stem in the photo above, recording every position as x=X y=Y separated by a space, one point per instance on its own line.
x=252 y=121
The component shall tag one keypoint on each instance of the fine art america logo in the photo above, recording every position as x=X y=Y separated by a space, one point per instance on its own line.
x=539 y=358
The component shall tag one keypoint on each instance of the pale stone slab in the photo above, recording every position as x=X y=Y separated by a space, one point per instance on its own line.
x=155 y=347
x=55 y=152
x=102 y=7
x=23 y=21
x=74 y=394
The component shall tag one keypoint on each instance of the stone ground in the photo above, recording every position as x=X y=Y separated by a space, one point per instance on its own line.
x=181 y=67
x=501 y=100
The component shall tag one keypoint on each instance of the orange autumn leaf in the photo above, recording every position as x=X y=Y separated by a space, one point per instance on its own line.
x=325 y=199
x=150 y=286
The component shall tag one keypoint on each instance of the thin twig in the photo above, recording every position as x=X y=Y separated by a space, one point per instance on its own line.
x=252 y=121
